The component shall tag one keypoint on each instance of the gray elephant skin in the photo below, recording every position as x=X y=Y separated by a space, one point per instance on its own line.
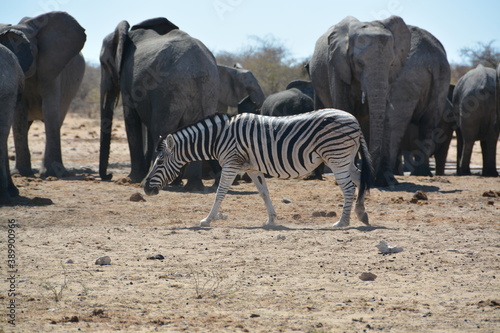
x=13 y=46
x=166 y=79
x=442 y=139
x=298 y=97
x=51 y=82
x=387 y=74
x=478 y=115
x=235 y=85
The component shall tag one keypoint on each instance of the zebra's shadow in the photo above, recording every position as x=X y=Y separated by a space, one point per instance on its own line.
x=278 y=227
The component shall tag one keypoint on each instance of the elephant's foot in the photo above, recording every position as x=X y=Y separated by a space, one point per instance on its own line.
x=12 y=190
x=25 y=172
x=422 y=171
x=385 y=179
x=136 y=177
x=5 y=198
x=490 y=173
x=53 y=169
x=194 y=185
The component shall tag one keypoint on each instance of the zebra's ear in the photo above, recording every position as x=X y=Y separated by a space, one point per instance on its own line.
x=170 y=142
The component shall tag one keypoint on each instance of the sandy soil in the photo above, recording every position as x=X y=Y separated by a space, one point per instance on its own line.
x=238 y=276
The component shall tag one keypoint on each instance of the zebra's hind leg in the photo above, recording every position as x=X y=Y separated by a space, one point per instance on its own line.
x=359 y=208
x=226 y=179
x=260 y=182
x=344 y=180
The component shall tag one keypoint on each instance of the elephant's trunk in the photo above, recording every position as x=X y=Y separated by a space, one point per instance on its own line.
x=109 y=97
x=377 y=102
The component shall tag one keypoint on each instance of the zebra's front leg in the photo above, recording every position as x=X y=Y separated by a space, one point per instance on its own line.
x=226 y=179
x=260 y=182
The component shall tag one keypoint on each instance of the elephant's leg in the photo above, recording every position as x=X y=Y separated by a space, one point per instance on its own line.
x=399 y=117
x=52 y=164
x=441 y=152
x=489 y=148
x=7 y=187
x=138 y=164
x=20 y=129
x=460 y=149
x=194 y=171
x=464 y=167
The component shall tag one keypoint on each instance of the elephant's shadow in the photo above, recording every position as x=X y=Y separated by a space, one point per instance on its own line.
x=411 y=187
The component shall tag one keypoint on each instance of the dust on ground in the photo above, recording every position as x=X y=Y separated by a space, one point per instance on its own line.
x=238 y=276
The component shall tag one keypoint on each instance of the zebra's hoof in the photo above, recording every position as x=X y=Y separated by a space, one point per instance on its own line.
x=364 y=219
x=341 y=224
x=204 y=224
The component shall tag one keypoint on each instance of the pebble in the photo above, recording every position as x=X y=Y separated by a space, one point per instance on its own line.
x=104 y=260
x=286 y=200
x=136 y=197
x=70 y=261
x=156 y=257
x=281 y=237
x=367 y=276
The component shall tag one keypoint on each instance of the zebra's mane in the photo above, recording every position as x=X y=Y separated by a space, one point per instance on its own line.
x=220 y=116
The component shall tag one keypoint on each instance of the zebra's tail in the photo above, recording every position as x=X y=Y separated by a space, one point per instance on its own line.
x=366 y=170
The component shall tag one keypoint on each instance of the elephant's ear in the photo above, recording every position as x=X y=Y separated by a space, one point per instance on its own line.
x=160 y=24
x=58 y=38
x=498 y=98
x=17 y=42
x=111 y=56
x=338 y=49
x=402 y=43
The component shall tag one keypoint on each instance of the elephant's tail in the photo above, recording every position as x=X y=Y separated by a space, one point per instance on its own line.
x=366 y=170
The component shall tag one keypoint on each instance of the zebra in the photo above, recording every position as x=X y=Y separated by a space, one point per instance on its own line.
x=283 y=147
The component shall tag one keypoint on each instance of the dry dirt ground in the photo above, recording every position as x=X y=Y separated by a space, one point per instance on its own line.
x=238 y=276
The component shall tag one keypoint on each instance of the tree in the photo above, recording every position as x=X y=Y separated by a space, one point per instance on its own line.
x=86 y=101
x=270 y=62
x=483 y=53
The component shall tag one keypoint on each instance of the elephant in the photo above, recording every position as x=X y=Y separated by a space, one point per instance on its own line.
x=444 y=133
x=235 y=85
x=15 y=60
x=478 y=116
x=246 y=105
x=387 y=74
x=167 y=80
x=296 y=98
x=51 y=82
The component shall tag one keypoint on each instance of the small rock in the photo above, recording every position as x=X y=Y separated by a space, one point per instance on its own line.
x=367 y=276
x=385 y=248
x=286 y=200
x=156 y=257
x=70 y=261
x=281 y=237
x=420 y=195
x=104 y=260
x=490 y=194
x=136 y=197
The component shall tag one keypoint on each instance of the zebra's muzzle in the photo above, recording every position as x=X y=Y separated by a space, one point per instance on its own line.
x=150 y=190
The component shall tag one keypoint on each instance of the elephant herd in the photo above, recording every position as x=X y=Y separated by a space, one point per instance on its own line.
x=393 y=77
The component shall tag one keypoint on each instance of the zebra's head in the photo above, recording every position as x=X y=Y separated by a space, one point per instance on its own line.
x=165 y=169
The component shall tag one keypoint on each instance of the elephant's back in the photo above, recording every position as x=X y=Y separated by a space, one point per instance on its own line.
x=172 y=54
